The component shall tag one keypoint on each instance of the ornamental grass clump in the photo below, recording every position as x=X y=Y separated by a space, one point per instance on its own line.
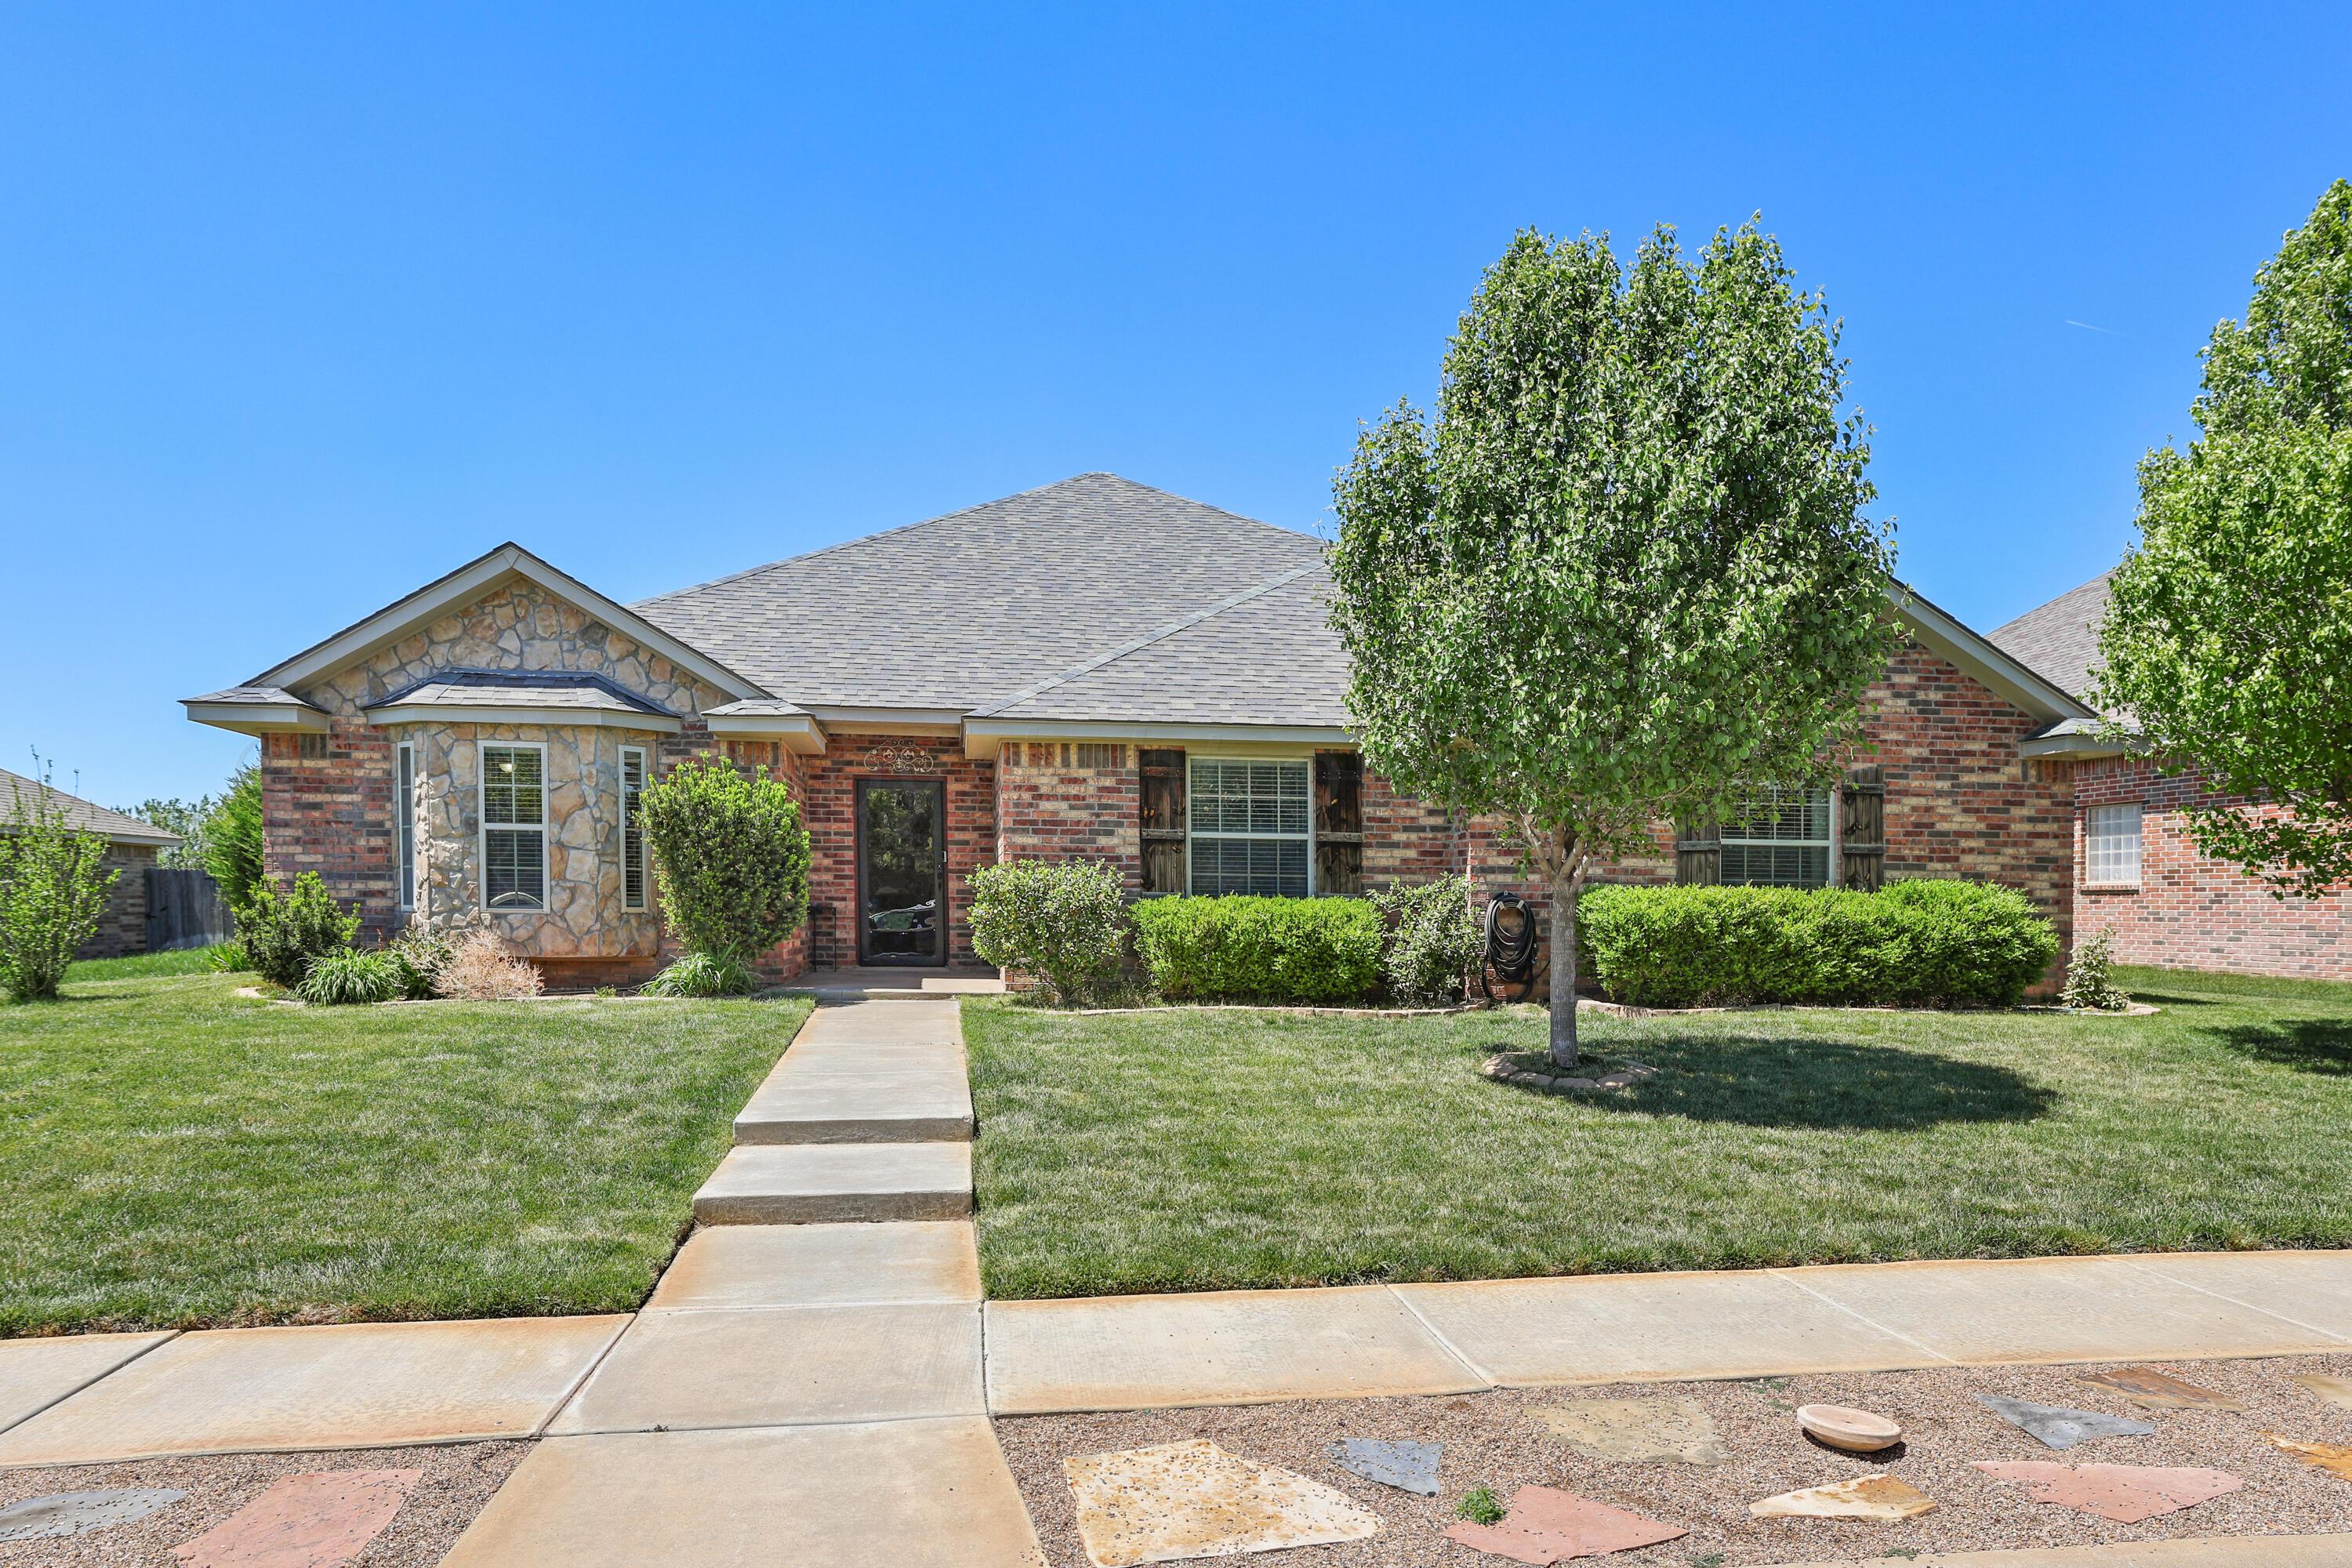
x=731 y=856
x=53 y=888
x=345 y=977
x=1064 y=923
x=483 y=968
x=703 y=974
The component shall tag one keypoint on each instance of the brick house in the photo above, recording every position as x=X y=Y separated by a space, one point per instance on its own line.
x=1092 y=670
x=131 y=847
x=2136 y=871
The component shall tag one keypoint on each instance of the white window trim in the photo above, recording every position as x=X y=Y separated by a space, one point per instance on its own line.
x=482 y=750
x=403 y=846
x=2139 y=856
x=1308 y=763
x=645 y=871
x=1828 y=841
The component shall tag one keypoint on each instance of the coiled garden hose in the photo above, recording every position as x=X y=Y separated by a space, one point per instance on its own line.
x=1510 y=951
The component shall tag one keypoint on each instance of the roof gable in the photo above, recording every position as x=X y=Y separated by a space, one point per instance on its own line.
x=958 y=611
x=2061 y=639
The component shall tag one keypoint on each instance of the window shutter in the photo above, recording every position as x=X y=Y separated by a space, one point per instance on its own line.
x=1698 y=854
x=1339 y=821
x=1163 y=819
x=1861 y=839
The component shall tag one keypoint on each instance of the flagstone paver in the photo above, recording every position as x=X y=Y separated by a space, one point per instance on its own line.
x=355 y=1386
x=2335 y=1459
x=794 y=1183
x=323 y=1520
x=70 y=1514
x=2157 y=1389
x=908 y=1494
x=1406 y=1465
x=1881 y=1497
x=2054 y=1309
x=2125 y=1494
x=822 y=1265
x=1616 y=1328
x=1673 y=1430
x=1189 y=1500
x=1543 y=1524
x=779 y=1366
x=2337 y=1391
x=1129 y=1353
x=37 y=1374
x=2058 y=1427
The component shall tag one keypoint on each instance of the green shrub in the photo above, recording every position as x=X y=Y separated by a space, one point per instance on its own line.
x=1258 y=948
x=1433 y=938
x=52 y=890
x=232 y=837
x=731 y=856
x=339 y=977
x=1921 y=943
x=1064 y=922
x=2090 y=981
x=282 y=932
x=702 y=975
x=421 y=956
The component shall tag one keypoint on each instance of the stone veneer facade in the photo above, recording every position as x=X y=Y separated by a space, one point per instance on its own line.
x=2187 y=910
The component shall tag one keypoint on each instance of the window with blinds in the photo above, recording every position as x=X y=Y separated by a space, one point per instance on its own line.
x=1250 y=827
x=1784 y=841
x=2111 y=842
x=633 y=834
x=514 y=828
x=404 y=817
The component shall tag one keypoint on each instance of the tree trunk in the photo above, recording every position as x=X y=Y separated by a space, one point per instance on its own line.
x=1564 y=892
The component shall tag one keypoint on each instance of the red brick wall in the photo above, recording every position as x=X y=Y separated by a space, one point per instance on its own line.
x=2190 y=912
x=122 y=923
x=1063 y=800
x=828 y=792
x=331 y=813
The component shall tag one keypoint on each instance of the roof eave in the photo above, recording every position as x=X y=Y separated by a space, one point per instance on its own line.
x=1947 y=636
x=258 y=718
x=387 y=715
x=982 y=735
x=800 y=732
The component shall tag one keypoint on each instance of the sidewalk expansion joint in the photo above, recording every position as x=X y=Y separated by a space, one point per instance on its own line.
x=1789 y=1275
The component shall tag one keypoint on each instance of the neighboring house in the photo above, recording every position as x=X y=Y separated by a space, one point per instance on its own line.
x=131 y=847
x=1094 y=669
x=2136 y=871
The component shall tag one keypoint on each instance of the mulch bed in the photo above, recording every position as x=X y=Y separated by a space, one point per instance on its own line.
x=1491 y=1440
x=457 y=1484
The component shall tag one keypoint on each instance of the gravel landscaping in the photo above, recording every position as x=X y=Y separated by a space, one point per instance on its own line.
x=1492 y=1440
x=458 y=1482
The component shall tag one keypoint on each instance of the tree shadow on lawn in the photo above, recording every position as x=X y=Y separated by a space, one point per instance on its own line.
x=2307 y=1045
x=1800 y=1082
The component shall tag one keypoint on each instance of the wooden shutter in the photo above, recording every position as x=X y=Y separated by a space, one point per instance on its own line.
x=1339 y=822
x=1163 y=819
x=1862 y=830
x=1698 y=854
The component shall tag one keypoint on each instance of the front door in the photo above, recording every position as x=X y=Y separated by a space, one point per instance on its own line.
x=902 y=864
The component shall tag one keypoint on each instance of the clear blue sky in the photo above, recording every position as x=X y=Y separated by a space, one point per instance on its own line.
x=300 y=308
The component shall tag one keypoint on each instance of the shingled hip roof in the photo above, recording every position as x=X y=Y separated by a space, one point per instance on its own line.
x=82 y=815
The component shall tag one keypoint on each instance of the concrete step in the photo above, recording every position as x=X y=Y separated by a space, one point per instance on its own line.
x=827 y=1091
x=800 y=1184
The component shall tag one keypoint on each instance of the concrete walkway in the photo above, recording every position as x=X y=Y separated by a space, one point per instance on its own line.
x=2238 y=1551
x=1125 y=1352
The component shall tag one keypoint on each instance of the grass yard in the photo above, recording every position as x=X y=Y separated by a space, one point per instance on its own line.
x=177 y=1155
x=1202 y=1150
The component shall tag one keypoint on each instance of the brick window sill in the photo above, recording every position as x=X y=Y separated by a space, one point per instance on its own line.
x=2110 y=887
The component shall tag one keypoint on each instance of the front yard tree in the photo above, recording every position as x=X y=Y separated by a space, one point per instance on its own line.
x=2229 y=629
x=53 y=888
x=1624 y=576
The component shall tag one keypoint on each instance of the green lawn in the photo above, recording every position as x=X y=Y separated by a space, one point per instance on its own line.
x=1210 y=1149
x=178 y=1155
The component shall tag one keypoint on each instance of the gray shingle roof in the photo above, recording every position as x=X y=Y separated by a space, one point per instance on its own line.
x=85 y=815
x=969 y=608
x=2059 y=640
x=265 y=696
x=1267 y=656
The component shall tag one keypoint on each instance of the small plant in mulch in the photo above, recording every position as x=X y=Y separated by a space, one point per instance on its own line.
x=1479 y=1507
x=2089 y=983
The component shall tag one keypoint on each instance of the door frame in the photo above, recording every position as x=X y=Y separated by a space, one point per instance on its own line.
x=938 y=785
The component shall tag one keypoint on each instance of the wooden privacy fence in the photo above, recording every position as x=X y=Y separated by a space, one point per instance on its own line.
x=184 y=909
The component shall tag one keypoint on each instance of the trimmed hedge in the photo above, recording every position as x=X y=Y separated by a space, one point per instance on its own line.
x=1241 y=948
x=1911 y=944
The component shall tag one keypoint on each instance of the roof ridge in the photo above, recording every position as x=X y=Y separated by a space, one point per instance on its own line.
x=749 y=572
x=2053 y=599
x=1136 y=645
